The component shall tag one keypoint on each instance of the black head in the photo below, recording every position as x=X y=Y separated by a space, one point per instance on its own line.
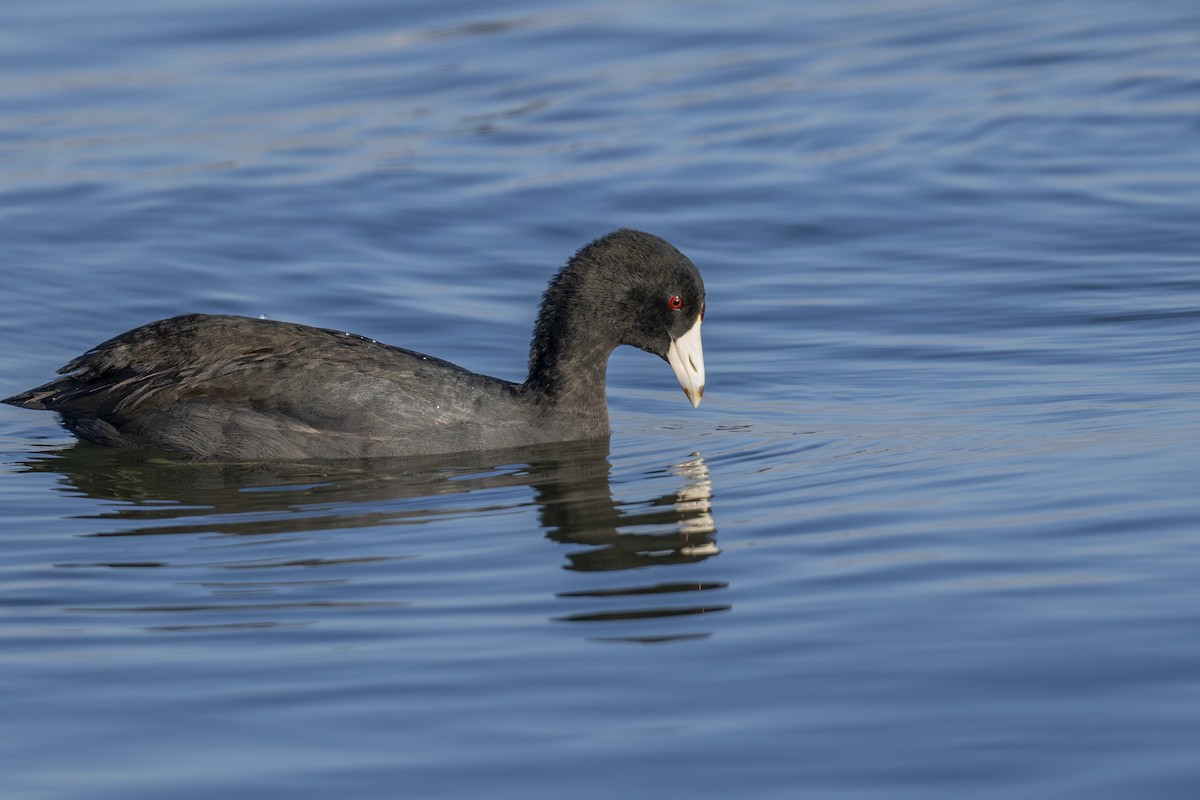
x=627 y=287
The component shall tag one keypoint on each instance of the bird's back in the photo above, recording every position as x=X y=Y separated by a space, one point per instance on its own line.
x=236 y=387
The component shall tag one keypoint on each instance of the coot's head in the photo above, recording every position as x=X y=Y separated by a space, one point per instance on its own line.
x=627 y=287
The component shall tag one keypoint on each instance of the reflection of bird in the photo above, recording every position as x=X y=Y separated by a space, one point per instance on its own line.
x=569 y=480
x=238 y=388
x=685 y=534
x=674 y=528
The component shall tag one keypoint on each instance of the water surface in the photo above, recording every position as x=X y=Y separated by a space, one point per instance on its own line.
x=932 y=533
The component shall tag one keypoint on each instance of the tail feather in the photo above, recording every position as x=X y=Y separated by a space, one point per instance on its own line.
x=31 y=399
x=42 y=398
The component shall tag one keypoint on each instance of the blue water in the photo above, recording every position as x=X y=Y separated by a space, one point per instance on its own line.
x=933 y=533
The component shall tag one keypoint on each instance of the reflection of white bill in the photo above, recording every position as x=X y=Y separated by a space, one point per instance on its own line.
x=705 y=549
x=694 y=502
x=701 y=523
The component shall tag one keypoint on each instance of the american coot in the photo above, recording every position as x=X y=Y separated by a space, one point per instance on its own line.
x=247 y=389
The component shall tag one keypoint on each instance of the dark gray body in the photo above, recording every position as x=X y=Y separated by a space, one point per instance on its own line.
x=246 y=389
x=241 y=388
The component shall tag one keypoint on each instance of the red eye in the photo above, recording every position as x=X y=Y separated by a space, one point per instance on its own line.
x=676 y=302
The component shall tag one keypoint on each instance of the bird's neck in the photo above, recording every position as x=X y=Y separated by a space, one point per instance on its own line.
x=568 y=358
x=570 y=374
